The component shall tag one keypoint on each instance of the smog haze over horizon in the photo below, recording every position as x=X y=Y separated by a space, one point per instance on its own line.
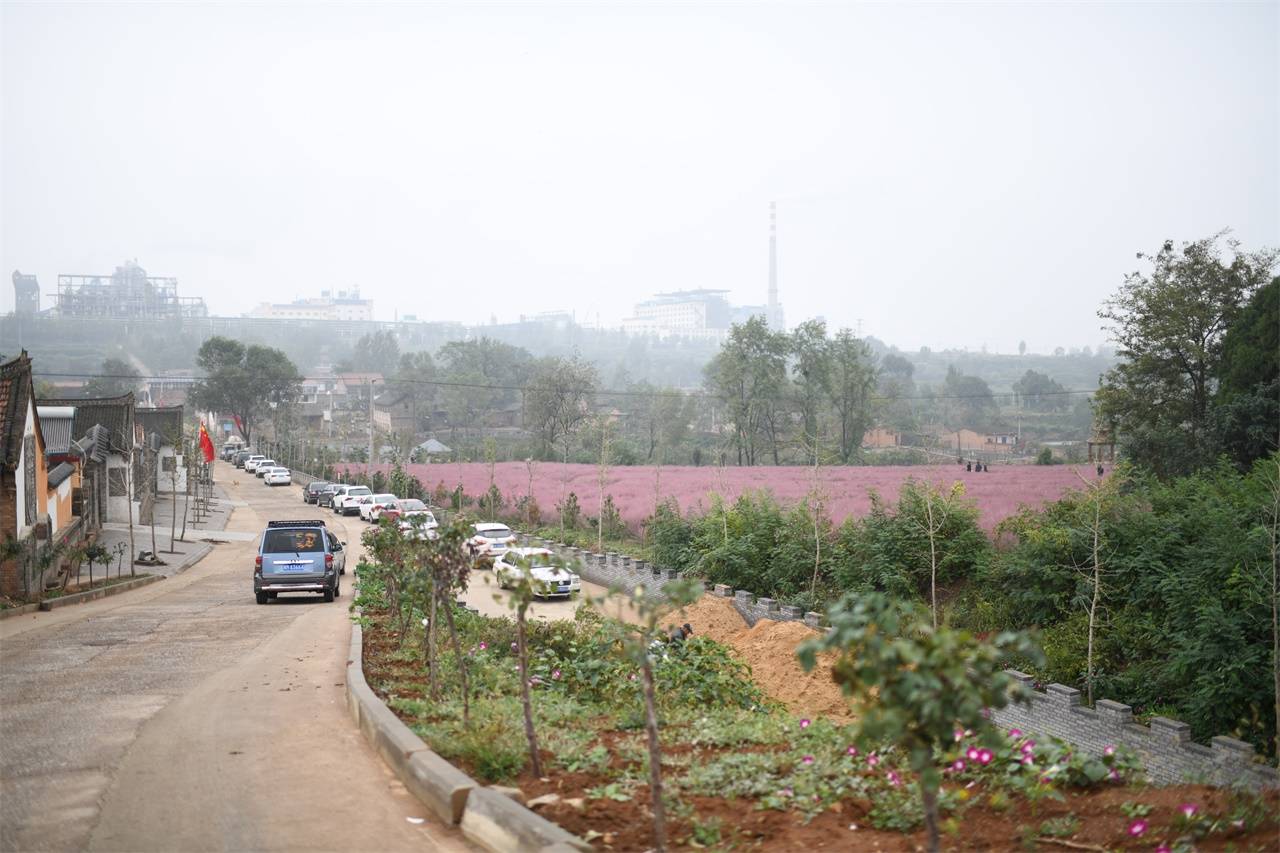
x=952 y=176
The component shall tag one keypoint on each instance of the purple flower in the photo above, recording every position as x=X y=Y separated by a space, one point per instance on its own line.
x=1028 y=760
x=985 y=756
x=632 y=676
x=483 y=645
x=1114 y=775
x=1138 y=827
x=971 y=753
x=1164 y=848
x=1028 y=747
x=555 y=673
x=1015 y=733
x=1188 y=809
x=808 y=759
x=852 y=750
x=1110 y=750
x=804 y=724
x=872 y=761
x=958 y=765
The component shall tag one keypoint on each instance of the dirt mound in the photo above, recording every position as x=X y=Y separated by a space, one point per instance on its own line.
x=770 y=649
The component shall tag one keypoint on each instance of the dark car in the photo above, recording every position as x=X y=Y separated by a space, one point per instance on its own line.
x=298 y=556
x=240 y=457
x=324 y=497
x=312 y=491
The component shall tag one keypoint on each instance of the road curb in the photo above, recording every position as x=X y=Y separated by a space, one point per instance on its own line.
x=488 y=819
x=10 y=612
x=100 y=592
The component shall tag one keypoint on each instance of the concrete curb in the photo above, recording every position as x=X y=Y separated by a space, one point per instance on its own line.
x=10 y=612
x=100 y=592
x=490 y=820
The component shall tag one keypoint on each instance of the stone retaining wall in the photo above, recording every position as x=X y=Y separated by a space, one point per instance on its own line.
x=1164 y=747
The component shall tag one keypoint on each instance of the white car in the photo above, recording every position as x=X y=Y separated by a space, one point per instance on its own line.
x=541 y=566
x=344 y=500
x=491 y=540
x=277 y=477
x=251 y=464
x=417 y=523
x=263 y=467
x=372 y=508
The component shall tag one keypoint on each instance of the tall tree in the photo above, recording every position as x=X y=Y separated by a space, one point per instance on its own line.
x=749 y=374
x=1040 y=393
x=376 y=352
x=811 y=370
x=657 y=417
x=117 y=377
x=852 y=381
x=478 y=377
x=558 y=400
x=895 y=388
x=1246 y=412
x=1169 y=323
x=246 y=382
x=968 y=401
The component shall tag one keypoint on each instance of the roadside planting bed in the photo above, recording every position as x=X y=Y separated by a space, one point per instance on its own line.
x=741 y=772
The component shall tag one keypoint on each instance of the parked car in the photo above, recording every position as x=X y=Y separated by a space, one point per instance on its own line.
x=312 y=491
x=298 y=556
x=372 y=508
x=324 y=497
x=418 y=522
x=263 y=467
x=491 y=540
x=344 y=499
x=548 y=575
x=402 y=507
x=239 y=458
x=278 y=476
x=251 y=464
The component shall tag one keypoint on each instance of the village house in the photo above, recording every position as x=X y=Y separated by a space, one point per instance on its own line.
x=166 y=425
x=108 y=438
x=25 y=528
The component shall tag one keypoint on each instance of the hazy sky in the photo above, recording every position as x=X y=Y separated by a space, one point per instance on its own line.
x=952 y=175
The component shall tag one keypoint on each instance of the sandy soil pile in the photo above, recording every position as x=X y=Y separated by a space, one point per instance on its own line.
x=770 y=649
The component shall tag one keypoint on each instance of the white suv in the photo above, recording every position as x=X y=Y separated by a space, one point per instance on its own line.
x=372 y=508
x=491 y=540
x=251 y=464
x=344 y=499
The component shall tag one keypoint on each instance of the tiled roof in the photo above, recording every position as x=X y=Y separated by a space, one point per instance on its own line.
x=113 y=413
x=15 y=394
x=60 y=472
x=166 y=422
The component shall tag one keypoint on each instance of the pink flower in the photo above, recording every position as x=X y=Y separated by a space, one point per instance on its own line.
x=555 y=673
x=959 y=765
x=1015 y=732
x=1238 y=824
x=959 y=735
x=894 y=778
x=1028 y=747
x=1028 y=760
x=852 y=750
x=872 y=761
x=804 y=724
x=1188 y=809
x=483 y=645
x=985 y=756
x=1114 y=775
x=1163 y=848
x=1110 y=750
x=971 y=753
x=786 y=792
x=632 y=676
x=1138 y=827
x=808 y=759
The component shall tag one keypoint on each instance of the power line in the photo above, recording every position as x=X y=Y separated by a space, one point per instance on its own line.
x=604 y=392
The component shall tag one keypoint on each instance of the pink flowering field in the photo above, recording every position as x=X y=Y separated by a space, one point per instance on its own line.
x=998 y=493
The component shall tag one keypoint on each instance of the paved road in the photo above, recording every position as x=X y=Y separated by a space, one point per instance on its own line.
x=183 y=716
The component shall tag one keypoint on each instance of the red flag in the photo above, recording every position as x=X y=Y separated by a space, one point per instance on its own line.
x=239 y=424
x=206 y=444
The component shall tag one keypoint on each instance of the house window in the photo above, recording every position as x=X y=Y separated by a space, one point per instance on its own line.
x=29 y=475
x=168 y=464
x=116 y=487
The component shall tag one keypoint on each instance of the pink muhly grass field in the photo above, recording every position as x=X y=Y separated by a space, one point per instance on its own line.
x=998 y=493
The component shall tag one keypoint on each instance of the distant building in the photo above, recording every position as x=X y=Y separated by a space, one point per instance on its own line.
x=345 y=305
x=127 y=294
x=26 y=294
x=701 y=313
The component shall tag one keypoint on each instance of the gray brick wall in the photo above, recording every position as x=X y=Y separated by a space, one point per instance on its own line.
x=1164 y=747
